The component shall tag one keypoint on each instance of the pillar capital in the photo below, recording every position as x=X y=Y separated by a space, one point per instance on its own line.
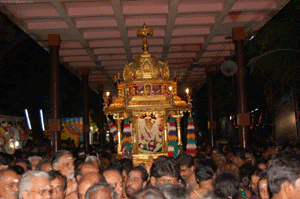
x=53 y=40
x=238 y=33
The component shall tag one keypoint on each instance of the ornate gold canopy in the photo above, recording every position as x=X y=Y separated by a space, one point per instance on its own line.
x=147 y=89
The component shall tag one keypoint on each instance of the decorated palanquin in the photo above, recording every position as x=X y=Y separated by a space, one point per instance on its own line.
x=148 y=106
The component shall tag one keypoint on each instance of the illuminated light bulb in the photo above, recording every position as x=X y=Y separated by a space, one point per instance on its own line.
x=170 y=88
x=187 y=91
x=107 y=93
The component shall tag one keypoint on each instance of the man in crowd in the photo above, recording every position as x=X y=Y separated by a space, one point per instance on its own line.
x=136 y=180
x=220 y=162
x=283 y=176
x=101 y=190
x=86 y=182
x=187 y=170
x=226 y=185
x=263 y=188
x=34 y=160
x=172 y=191
x=114 y=178
x=92 y=159
x=105 y=159
x=164 y=170
x=150 y=193
x=58 y=184
x=254 y=179
x=63 y=161
x=238 y=157
x=214 y=151
x=43 y=165
x=35 y=185
x=205 y=172
x=24 y=163
x=85 y=168
x=9 y=184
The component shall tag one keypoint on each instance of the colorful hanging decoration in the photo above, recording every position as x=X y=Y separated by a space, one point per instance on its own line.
x=127 y=140
x=191 y=141
x=172 y=137
x=112 y=129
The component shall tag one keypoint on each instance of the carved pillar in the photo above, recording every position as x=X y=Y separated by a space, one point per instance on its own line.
x=86 y=124
x=178 y=119
x=211 y=122
x=243 y=117
x=135 y=146
x=119 y=122
x=54 y=123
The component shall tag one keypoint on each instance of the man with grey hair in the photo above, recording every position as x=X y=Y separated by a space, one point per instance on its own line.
x=101 y=190
x=63 y=161
x=92 y=159
x=172 y=191
x=35 y=185
x=34 y=160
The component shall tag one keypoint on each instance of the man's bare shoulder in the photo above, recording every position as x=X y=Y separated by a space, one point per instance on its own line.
x=72 y=195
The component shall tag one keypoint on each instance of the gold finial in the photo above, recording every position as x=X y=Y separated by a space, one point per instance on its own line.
x=144 y=32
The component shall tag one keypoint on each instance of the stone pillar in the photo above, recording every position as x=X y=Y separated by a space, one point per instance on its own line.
x=243 y=117
x=54 y=123
x=102 y=133
x=209 y=69
x=86 y=123
x=196 y=110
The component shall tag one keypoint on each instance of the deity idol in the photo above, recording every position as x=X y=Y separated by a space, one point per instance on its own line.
x=150 y=139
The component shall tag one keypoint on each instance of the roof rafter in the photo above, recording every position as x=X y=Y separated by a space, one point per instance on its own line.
x=116 y=5
x=59 y=8
x=212 y=34
x=173 y=8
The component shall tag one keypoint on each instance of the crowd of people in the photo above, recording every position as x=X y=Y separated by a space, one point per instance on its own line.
x=213 y=173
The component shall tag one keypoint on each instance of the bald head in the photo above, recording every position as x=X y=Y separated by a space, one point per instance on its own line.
x=86 y=182
x=85 y=168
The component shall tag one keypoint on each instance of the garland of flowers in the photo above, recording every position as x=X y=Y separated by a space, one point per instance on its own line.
x=191 y=141
x=127 y=140
x=172 y=137
x=112 y=129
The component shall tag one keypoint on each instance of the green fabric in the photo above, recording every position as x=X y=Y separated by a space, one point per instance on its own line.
x=191 y=141
x=172 y=119
x=172 y=143
x=243 y=193
x=127 y=145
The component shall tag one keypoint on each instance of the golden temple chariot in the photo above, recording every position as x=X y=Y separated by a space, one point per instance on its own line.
x=147 y=97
